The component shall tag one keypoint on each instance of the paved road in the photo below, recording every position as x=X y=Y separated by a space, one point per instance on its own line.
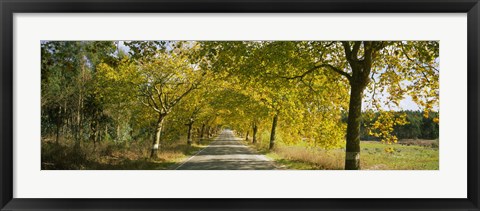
x=227 y=153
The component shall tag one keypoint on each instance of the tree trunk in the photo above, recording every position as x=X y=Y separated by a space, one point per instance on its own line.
x=58 y=125
x=80 y=110
x=65 y=118
x=94 y=129
x=156 y=140
x=272 y=134
x=246 y=137
x=189 y=135
x=93 y=132
x=95 y=139
x=352 y=157
x=359 y=79
x=78 y=132
x=106 y=132
x=201 y=131
x=117 y=139
x=255 y=129
x=209 y=132
x=57 y=134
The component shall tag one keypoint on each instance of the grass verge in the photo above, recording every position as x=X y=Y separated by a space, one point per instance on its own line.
x=110 y=156
x=374 y=156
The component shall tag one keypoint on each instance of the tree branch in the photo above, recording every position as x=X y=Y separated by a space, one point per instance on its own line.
x=405 y=52
x=150 y=105
x=174 y=102
x=155 y=106
x=347 y=49
x=423 y=73
x=341 y=72
x=311 y=70
x=329 y=44
x=356 y=48
x=159 y=96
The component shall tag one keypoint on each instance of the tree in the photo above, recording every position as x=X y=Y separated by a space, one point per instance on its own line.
x=166 y=78
x=391 y=62
x=116 y=90
x=194 y=108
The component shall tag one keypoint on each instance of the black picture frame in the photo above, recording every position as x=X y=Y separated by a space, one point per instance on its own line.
x=9 y=7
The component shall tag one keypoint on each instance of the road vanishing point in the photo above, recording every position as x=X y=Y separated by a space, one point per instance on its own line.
x=227 y=152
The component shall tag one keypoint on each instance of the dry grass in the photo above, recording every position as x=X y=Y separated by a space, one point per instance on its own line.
x=419 y=142
x=302 y=158
x=111 y=156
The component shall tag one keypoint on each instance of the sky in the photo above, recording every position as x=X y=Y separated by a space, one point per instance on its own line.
x=405 y=104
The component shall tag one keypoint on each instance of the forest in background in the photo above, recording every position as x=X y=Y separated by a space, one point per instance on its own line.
x=150 y=104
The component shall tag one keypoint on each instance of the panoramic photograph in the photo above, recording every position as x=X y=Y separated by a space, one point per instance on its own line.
x=240 y=105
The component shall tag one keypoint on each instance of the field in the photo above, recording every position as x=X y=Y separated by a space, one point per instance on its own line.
x=405 y=155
